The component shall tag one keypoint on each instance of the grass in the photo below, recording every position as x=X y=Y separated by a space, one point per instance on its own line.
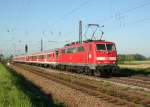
x=134 y=62
x=15 y=91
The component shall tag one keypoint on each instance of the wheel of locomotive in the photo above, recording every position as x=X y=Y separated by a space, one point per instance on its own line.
x=65 y=67
x=87 y=71
x=62 y=67
x=79 y=70
x=97 y=73
x=56 y=67
x=90 y=72
x=68 y=68
x=71 y=68
x=115 y=71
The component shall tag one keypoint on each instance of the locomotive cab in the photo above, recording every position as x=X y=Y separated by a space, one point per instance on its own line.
x=106 y=57
x=106 y=53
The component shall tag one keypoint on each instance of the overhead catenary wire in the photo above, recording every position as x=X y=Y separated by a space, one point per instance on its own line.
x=85 y=2
x=138 y=21
x=136 y=7
x=70 y=12
x=120 y=14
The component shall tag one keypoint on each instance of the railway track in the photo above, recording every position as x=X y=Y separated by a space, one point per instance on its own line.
x=132 y=81
x=135 y=82
x=142 y=78
x=111 y=96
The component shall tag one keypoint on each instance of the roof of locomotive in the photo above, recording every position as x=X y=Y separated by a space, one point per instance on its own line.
x=86 y=42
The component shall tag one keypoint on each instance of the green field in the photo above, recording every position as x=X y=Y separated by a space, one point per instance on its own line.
x=136 y=62
x=15 y=91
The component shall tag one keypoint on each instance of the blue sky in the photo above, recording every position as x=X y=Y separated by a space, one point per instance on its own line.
x=126 y=22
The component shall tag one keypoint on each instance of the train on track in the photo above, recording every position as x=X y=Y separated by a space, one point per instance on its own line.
x=96 y=57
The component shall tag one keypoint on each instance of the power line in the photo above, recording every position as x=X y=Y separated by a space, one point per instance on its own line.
x=134 y=8
x=134 y=22
x=139 y=21
x=71 y=12
x=128 y=11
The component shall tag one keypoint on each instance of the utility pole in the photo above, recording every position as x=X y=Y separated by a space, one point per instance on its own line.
x=80 y=31
x=26 y=48
x=41 y=45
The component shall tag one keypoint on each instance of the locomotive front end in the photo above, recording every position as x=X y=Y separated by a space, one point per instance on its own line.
x=106 y=58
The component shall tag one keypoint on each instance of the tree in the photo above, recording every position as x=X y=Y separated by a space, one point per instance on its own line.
x=1 y=57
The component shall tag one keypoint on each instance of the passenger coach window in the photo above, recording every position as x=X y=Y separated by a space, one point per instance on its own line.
x=48 y=56
x=34 y=57
x=41 y=57
x=100 y=47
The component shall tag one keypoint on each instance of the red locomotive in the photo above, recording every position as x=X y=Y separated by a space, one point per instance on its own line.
x=90 y=57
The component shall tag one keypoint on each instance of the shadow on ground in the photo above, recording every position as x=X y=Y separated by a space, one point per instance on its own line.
x=37 y=97
x=128 y=72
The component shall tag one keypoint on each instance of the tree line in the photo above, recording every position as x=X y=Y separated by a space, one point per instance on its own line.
x=132 y=57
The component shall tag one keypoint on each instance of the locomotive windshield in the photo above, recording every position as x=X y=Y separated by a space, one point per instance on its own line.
x=109 y=47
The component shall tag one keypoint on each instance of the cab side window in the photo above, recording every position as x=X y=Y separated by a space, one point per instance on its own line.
x=81 y=49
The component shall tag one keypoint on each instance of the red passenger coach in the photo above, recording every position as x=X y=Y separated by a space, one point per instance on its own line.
x=40 y=59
